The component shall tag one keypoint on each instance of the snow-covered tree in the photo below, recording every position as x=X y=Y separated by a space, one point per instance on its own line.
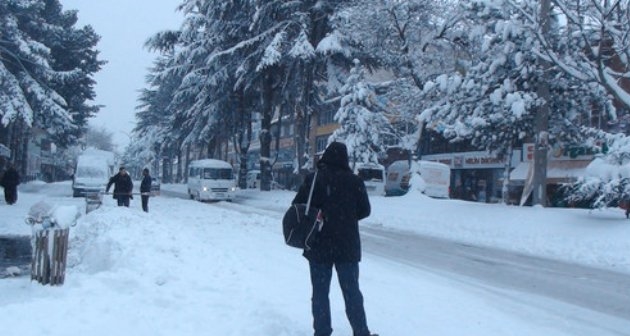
x=494 y=102
x=595 y=45
x=590 y=48
x=206 y=55
x=607 y=180
x=45 y=73
x=293 y=67
x=414 y=40
x=362 y=124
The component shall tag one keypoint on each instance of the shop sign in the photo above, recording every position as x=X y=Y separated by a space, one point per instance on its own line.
x=472 y=160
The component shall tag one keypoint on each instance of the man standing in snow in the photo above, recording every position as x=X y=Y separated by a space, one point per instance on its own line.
x=343 y=198
x=10 y=181
x=122 y=187
x=145 y=189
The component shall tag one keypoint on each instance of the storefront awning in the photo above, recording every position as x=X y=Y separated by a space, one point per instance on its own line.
x=558 y=171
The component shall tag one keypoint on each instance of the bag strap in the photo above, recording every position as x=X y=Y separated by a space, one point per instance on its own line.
x=310 y=194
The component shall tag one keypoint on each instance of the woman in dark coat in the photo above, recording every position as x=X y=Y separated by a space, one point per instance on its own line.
x=145 y=189
x=343 y=198
x=10 y=181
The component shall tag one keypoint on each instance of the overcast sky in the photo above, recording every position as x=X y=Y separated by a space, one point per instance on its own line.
x=124 y=26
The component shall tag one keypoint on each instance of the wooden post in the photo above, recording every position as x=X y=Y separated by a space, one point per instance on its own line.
x=49 y=267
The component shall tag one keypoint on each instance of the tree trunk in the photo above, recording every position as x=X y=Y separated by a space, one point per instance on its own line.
x=243 y=137
x=505 y=192
x=539 y=196
x=265 y=134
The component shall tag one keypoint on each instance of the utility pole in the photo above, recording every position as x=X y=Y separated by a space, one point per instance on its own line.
x=539 y=189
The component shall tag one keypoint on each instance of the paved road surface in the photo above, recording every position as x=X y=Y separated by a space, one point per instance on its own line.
x=596 y=289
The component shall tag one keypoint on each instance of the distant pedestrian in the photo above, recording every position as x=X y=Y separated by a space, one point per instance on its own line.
x=123 y=187
x=344 y=201
x=10 y=181
x=145 y=189
x=625 y=204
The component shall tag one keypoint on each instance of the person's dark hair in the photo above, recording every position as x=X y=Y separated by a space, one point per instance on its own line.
x=145 y=171
x=121 y=168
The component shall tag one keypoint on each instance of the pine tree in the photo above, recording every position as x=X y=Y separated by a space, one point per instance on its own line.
x=414 y=40
x=45 y=73
x=362 y=125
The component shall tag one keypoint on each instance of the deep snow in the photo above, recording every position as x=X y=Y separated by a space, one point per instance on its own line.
x=188 y=268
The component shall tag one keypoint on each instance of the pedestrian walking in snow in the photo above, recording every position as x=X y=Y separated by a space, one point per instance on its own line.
x=343 y=198
x=123 y=187
x=10 y=181
x=145 y=189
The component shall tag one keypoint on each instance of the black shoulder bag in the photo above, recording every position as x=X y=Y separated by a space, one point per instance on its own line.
x=302 y=223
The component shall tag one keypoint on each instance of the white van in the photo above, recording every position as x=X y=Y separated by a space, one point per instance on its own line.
x=437 y=178
x=373 y=175
x=211 y=180
x=92 y=173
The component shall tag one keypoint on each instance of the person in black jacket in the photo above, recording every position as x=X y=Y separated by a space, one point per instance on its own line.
x=10 y=181
x=123 y=187
x=145 y=189
x=344 y=201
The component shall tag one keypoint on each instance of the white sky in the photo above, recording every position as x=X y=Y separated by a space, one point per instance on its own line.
x=187 y=268
x=124 y=26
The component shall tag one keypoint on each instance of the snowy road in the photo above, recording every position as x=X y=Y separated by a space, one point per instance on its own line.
x=591 y=288
x=595 y=289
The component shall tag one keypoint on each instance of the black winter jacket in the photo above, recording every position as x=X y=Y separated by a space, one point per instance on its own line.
x=145 y=185
x=10 y=179
x=122 y=184
x=344 y=200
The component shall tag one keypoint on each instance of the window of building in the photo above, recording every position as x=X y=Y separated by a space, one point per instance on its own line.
x=286 y=130
x=321 y=142
x=326 y=117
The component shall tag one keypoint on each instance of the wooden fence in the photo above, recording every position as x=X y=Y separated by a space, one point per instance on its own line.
x=49 y=262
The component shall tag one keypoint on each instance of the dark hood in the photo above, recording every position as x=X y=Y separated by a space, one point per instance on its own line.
x=335 y=155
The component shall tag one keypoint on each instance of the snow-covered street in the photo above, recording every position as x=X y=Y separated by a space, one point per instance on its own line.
x=189 y=268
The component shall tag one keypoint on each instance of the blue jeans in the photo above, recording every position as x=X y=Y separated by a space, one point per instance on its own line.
x=348 y=276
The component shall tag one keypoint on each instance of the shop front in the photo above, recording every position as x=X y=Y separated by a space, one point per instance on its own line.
x=564 y=165
x=476 y=176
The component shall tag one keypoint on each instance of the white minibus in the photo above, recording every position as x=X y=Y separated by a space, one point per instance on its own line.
x=211 y=180
x=373 y=175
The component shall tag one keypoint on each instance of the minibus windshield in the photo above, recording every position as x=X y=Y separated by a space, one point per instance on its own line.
x=217 y=174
